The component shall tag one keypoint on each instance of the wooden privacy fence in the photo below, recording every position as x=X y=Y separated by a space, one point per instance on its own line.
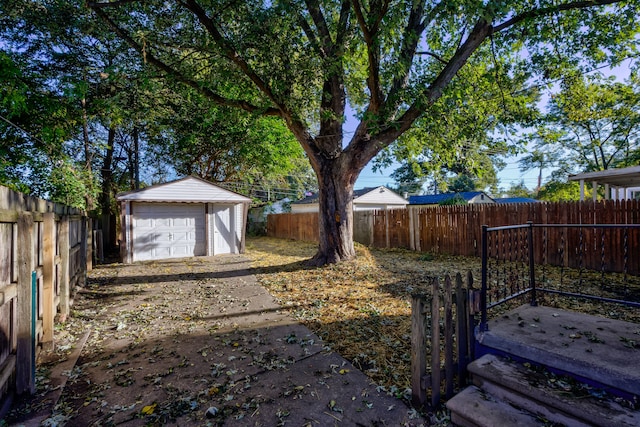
x=45 y=252
x=457 y=230
x=382 y=228
x=442 y=326
x=300 y=226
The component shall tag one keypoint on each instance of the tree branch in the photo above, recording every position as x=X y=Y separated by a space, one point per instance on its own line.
x=151 y=59
x=536 y=13
x=232 y=54
x=117 y=3
x=333 y=100
x=412 y=34
x=311 y=36
x=294 y=124
x=343 y=26
x=433 y=55
x=480 y=32
x=373 y=79
x=321 y=25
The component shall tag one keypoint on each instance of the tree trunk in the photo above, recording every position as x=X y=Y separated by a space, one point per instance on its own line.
x=107 y=218
x=87 y=150
x=335 y=215
x=136 y=158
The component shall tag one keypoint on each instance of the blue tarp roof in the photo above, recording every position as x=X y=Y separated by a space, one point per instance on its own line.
x=516 y=200
x=434 y=199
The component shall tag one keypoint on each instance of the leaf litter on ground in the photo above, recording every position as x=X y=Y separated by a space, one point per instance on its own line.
x=361 y=309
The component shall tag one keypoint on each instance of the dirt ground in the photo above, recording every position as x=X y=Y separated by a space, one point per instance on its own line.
x=196 y=342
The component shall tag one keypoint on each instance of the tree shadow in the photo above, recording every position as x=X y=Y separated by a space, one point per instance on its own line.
x=249 y=375
x=208 y=275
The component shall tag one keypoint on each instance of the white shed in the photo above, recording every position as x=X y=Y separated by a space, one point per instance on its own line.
x=187 y=217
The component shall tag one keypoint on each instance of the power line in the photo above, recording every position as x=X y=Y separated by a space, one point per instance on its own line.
x=22 y=130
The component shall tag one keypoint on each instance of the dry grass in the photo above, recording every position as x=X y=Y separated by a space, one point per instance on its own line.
x=360 y=308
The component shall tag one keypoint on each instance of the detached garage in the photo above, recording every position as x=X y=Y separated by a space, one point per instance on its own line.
x=187 y=217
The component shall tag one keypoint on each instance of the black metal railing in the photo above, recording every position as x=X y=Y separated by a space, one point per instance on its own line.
x=591 y=261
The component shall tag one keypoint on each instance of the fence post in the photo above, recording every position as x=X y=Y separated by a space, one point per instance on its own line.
x=418 y=349
x=387 y=232
x=532 y=266
x=412 y=237
x=435 y=343
x=448 y=336
x=417 y=220
x=25 y=380
x=86 y=248
x=462 y=315
x=483 y=291
x=473 y=308
x=65 y=292
x=48 y=278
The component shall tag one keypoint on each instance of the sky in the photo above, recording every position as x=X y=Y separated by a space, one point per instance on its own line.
x=509 y=175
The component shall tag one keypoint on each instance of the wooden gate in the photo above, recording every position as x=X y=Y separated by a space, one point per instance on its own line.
x=442 y=327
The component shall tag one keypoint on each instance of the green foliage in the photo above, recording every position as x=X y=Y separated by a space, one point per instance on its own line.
x=559 y=191
x=408 y=180
x=32 y=135
x=222 y=144
x=456 y=200
x=69 y=184
x=519 y=190
x=39 y=153
x=91 y=108
x=593 y=124
x=466 y=132
x=462 y=183
x=443 y=79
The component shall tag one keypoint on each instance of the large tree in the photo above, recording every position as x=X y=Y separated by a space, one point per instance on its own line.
x=305 y=61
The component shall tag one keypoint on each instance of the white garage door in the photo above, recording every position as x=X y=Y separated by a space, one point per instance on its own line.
x=168 y=230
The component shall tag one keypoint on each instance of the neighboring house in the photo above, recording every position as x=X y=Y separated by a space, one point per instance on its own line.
x=439 y=199
x=365 y=199
x=507 y=200
x=186 y=217
x=619 y=184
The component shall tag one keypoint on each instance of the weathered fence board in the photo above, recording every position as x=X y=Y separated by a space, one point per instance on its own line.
x=25 y=378
x=43 y=255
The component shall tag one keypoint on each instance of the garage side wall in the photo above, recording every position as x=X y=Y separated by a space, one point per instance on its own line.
x=125 y=232
x=239 y=216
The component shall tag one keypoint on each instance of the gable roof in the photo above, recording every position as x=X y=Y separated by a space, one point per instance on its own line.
x=434 y=199
x=190 y=189
x=505 y=200
x=356 y=194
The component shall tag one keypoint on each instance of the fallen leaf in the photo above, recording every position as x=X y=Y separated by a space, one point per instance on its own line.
x=148 y=410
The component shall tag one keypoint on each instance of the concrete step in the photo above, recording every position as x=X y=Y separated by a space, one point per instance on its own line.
x=547 y=396
x=603 y=350
x=473 y=407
